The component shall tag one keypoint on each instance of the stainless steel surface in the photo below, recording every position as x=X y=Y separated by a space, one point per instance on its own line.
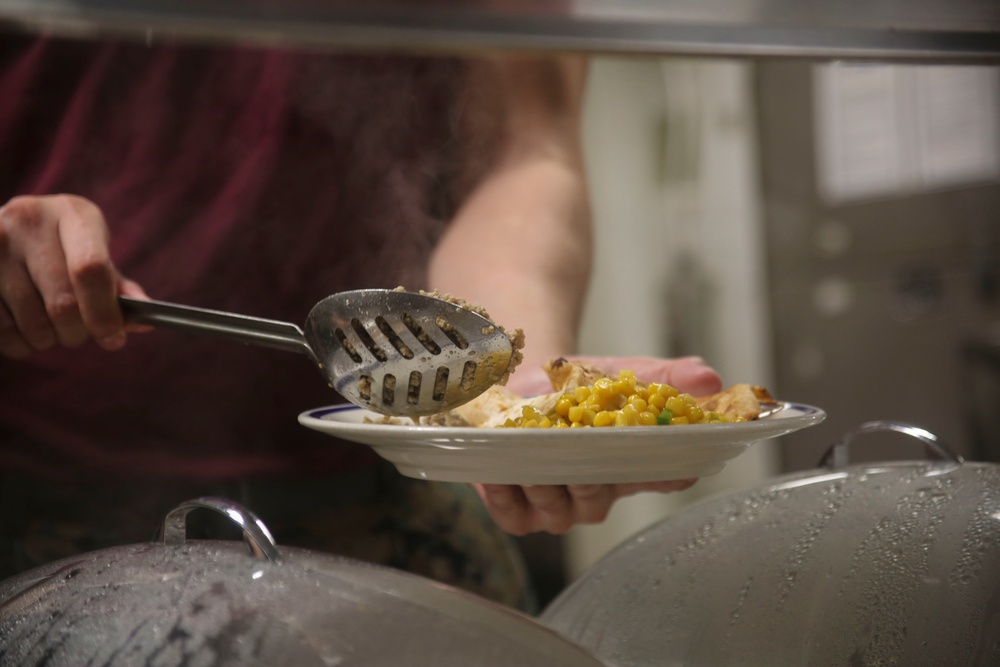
x=893 y=563
x=922 y=30
x=231 y=326
x=209 y=602
x=397 y=353
x=916 y=271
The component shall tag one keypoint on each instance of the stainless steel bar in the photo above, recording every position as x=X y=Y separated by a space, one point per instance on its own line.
x=231 y=326
x=956 y=31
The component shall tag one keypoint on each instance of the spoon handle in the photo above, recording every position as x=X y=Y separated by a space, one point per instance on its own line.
x=240 y=328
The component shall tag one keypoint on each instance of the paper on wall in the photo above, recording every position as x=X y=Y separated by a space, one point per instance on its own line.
x=891 y=130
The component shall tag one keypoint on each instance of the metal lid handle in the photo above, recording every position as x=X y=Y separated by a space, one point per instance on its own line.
x=255 y=533
x=836 y=455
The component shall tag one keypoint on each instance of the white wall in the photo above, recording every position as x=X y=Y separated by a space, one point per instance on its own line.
x=671 y=157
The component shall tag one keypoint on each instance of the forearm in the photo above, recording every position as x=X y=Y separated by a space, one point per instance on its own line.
x=529 y=264
x=520 y=243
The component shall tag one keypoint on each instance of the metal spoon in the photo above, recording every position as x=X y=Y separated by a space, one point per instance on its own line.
x=394 y=352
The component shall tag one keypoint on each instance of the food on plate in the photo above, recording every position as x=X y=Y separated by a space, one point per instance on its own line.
x=584 y=396
x=741 y=402
x=618 y=402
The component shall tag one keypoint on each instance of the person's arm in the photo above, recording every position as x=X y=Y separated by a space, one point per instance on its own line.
x=520 y=243
x=520 y=246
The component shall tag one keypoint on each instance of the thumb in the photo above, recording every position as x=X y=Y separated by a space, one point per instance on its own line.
x=131 y=288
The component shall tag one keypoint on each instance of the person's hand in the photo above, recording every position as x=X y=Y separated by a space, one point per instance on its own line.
x=58 y=285
x=526 y=509
x=520 y=510
x=688 y=374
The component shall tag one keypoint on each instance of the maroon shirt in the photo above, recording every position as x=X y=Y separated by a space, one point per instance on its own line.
x=237 y=179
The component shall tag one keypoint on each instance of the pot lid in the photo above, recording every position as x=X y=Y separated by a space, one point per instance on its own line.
x=180 y=602
x=887 y=564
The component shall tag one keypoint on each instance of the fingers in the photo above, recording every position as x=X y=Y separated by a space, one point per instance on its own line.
x=92 y=276
x=527 y=509
x=509 y=507
x=688 y=374
x=57 y=282
x=29 y=322
x=694 y=376
x=54 y=306
x=555 y=509
x=529 y=381
x=131 y=288
x=12 y=344
x=592 y=502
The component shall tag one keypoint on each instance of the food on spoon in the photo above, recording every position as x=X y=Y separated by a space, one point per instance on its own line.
x=498 y=373
x=586 y=397
x=516 y=336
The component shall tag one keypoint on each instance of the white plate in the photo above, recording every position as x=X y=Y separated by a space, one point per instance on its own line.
x=557 y=456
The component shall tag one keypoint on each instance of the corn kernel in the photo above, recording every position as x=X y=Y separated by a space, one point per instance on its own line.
x=676 y=405
x=563 y=405
x=647 y=418
x=636 y=402
x=667 y=391
x=631 y=415
x=603 y=387
x=604 y=418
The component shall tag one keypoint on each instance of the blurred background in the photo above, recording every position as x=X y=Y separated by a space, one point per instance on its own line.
x=828 y=230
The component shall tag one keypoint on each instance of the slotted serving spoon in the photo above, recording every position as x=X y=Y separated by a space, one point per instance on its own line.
x=394 y=352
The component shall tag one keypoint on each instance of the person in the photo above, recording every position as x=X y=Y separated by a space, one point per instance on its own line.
x=259 y=180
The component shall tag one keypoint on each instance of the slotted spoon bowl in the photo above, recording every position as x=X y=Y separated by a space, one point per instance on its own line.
x=394 y=352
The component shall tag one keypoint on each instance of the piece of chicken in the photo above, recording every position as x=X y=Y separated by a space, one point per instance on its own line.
x=741 y=401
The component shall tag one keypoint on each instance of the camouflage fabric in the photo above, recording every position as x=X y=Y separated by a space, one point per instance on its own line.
x=440 y=531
